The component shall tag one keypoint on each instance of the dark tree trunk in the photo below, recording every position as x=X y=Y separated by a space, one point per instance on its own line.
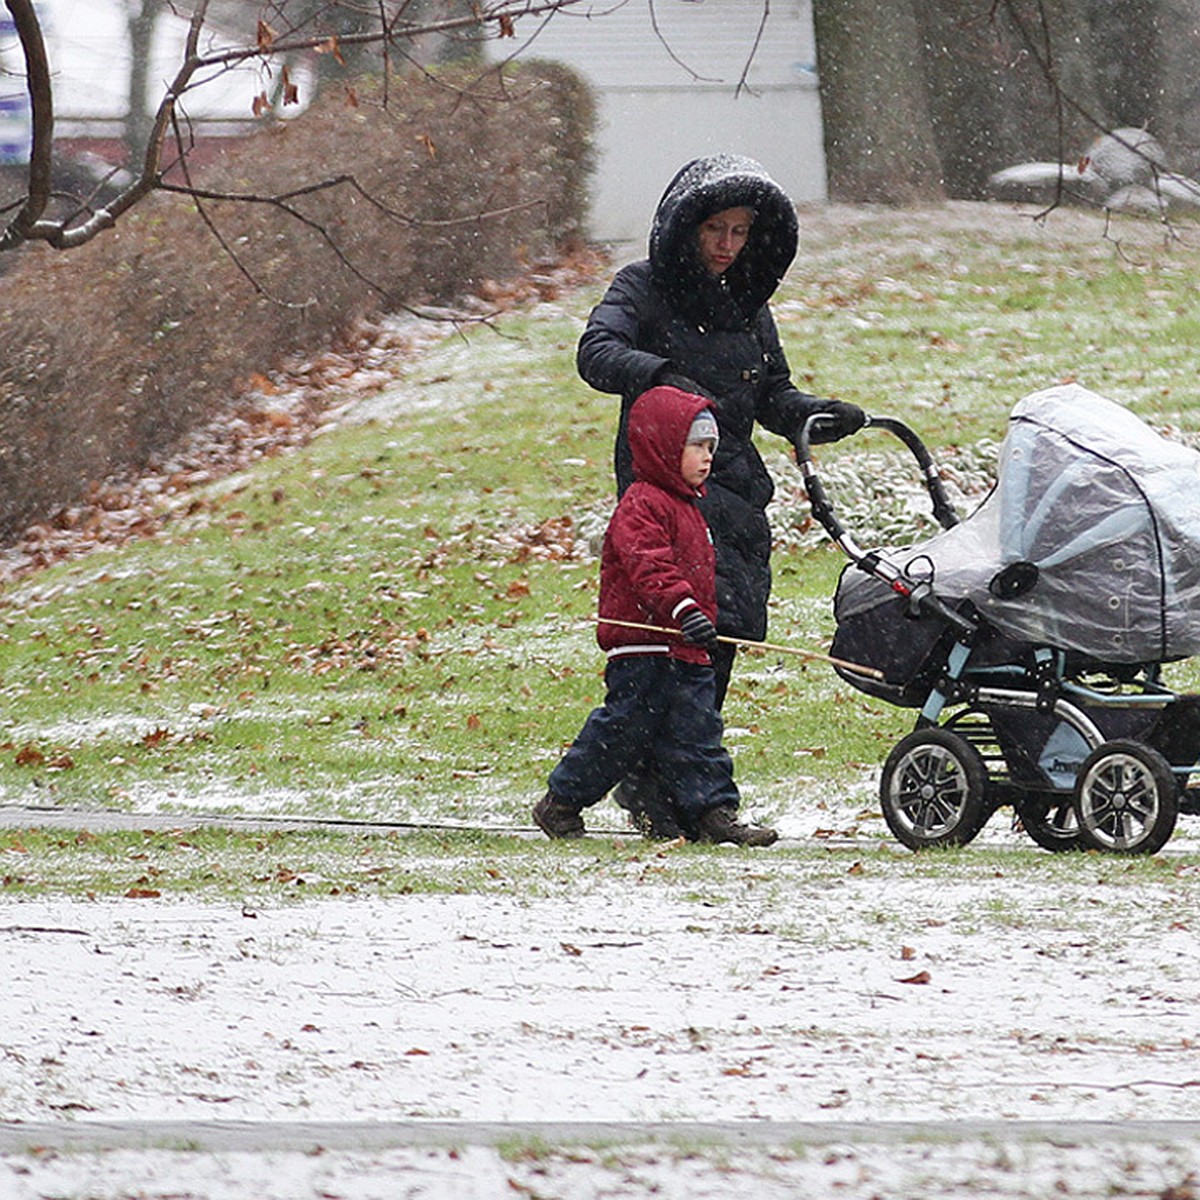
x=1128 y=59
x=1009 y=81
x=879 y=145
x=1176 y=117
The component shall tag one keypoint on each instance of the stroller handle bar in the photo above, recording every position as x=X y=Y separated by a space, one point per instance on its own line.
x=943 y=510
x=919 y=593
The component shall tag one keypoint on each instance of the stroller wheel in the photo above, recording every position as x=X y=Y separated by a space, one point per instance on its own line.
x=1126 y=798
x=1051 y=823
x=933 y=790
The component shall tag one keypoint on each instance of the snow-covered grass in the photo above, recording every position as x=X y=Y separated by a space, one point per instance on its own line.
x=600 y=1019
x=390 y=626
x=403 y=603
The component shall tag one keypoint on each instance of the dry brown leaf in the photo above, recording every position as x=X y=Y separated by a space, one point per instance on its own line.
x=29 y=756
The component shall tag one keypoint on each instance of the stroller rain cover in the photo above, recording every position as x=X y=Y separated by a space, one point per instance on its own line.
x=1089 y=542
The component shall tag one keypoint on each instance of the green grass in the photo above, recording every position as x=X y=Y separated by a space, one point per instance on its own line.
x=799 y=891
x=391 y=623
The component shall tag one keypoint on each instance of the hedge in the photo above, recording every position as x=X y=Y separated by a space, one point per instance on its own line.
x=111 y=353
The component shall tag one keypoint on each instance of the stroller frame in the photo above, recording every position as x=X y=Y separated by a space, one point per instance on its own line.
x=989 y=724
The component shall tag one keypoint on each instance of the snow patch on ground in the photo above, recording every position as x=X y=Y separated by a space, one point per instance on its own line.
x=798 y=995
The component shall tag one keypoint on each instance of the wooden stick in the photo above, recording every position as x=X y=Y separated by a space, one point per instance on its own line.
x=854 y=668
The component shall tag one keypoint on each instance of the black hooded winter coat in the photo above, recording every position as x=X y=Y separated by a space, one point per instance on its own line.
x=669 y=315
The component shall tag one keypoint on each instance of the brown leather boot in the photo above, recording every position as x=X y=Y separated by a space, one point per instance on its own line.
x=720 y=824
x=557 y=819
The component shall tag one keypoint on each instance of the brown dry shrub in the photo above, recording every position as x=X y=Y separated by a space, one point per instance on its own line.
x=110 y=353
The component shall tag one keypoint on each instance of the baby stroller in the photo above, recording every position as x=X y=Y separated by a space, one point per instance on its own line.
x=1031 y=636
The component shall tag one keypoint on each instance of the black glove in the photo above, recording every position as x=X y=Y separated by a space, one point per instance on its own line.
x=837 y=420
x=669 y=377
x=699 y=630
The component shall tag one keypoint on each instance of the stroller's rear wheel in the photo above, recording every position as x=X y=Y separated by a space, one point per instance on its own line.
x=1052 y=822
x=1126 y=798
x=933 y=790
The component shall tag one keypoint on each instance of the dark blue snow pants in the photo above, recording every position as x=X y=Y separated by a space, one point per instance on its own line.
x=654 y=705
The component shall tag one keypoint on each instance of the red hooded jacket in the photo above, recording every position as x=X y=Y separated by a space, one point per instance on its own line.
x=658 y=558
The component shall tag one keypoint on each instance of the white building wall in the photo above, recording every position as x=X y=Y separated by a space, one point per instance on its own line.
x=87 y=43
x=663 y=100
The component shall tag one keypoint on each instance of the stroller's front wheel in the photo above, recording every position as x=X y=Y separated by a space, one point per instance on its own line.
x=1126 y=799
x=933 y=790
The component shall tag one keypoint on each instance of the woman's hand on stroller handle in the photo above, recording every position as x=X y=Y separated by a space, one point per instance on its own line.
x=834 y=420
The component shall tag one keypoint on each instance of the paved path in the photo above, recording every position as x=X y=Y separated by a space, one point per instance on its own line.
x=304 y=1136
x=32 y=816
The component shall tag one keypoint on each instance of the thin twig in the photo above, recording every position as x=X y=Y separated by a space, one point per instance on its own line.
x=747 y=644
x=224 y=243
x=742 y=82
x=671 y=51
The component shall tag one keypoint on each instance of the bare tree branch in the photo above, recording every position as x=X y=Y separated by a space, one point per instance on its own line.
x=41 y=101
x=742 y=84
x=285 y=202
x=658 y=33
x=221 y=240
x=195 y=71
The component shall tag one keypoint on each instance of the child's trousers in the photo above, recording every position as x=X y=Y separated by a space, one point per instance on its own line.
x=654 y=703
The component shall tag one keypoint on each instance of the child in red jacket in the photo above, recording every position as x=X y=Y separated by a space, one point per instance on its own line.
x=658 y=568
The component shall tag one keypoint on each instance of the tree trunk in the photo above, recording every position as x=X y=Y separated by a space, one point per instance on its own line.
x=1175 y=118
x=879 y=145
x=1128 y=58
x=138 y=120
x=1009 y=81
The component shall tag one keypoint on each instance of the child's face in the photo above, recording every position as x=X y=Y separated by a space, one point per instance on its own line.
x=697 y=462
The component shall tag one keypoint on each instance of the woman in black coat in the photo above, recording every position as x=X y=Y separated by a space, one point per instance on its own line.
x=694 y=314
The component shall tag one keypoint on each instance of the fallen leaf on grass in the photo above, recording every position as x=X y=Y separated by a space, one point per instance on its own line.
x=142 y=893
x=29 y=756
x=744 y=1071
x=919 y=977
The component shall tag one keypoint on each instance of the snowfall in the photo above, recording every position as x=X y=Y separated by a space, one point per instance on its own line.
x=838 y=1030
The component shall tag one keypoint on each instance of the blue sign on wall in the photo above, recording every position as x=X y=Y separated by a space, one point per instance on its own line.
x=16 y=123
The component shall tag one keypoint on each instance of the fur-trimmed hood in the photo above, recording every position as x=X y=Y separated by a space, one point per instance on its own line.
x=701 y=188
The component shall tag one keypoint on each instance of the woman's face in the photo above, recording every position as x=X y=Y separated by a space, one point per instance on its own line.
x=722 y=237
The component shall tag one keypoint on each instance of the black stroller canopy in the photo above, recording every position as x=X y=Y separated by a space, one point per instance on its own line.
x=1089 y=542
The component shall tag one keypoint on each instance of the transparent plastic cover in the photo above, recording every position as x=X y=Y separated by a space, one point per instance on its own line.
x=1089 y=542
